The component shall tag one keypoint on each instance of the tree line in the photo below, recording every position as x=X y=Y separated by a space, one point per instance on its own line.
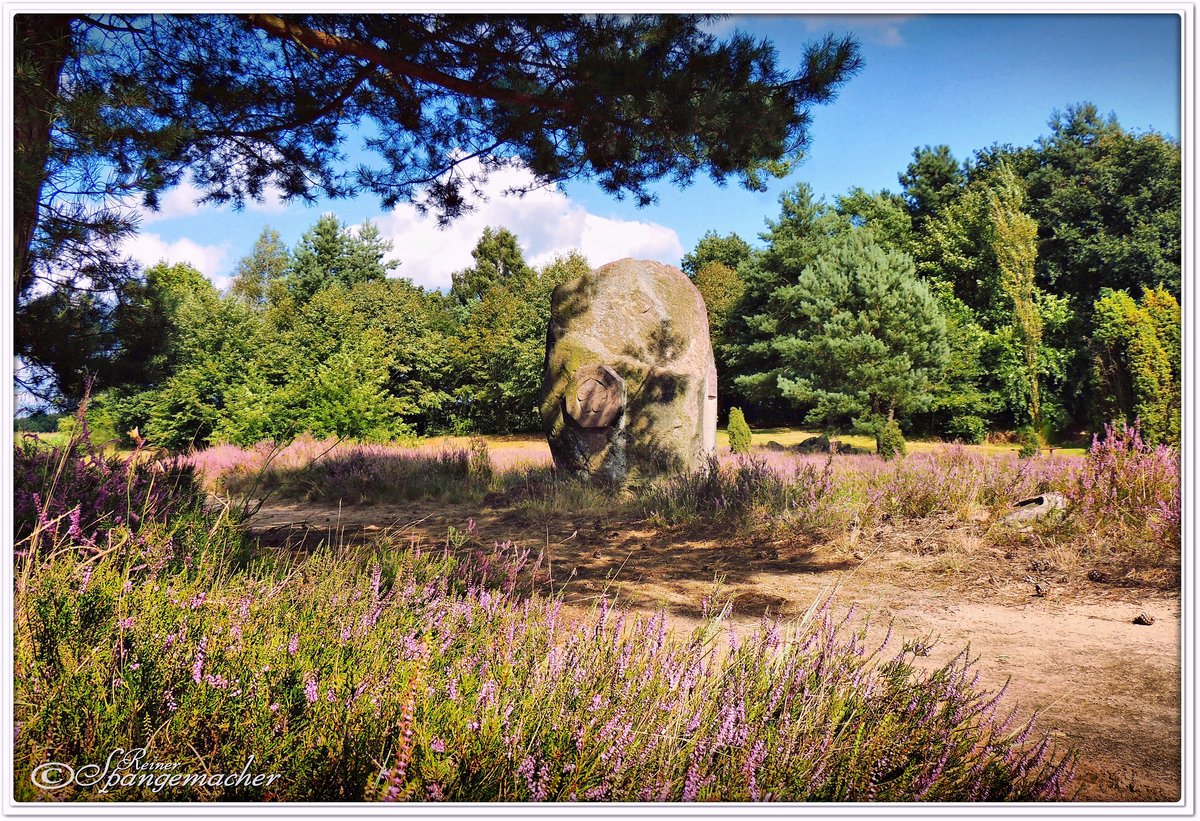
x=1033 y=287
x=1025 y=288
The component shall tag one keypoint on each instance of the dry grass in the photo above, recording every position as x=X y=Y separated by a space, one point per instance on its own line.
x=532 y=447
x=942 y=505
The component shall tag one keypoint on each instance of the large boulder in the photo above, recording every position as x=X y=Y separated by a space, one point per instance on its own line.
x=630 y=388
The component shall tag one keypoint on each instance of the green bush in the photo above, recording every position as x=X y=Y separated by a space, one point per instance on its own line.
x=739 y=431
x=889 y=440
x=969 y=429
x=1027 y=440
x=102 y=421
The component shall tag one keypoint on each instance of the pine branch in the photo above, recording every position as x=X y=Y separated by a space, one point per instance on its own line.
x=282 y=29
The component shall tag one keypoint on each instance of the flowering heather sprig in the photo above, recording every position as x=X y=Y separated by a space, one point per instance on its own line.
x=198 y=663
x=376 y=575
x=75 y=532
x=693 y=782
x=753 y=761
x=536 y=778
x=1126 y=500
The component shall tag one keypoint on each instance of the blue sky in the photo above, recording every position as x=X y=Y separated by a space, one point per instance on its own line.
x=966 y=80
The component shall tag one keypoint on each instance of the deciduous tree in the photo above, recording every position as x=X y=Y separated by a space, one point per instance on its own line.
x=1133 y=368
x=262 y=271
x=729 y=250
x=1107 y=203
x=1014 y=242
x=722 y=290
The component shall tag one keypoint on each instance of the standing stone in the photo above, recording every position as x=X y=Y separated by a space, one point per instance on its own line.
x=630 y=388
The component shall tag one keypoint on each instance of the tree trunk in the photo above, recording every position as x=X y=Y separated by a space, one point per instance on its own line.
x=42 y=44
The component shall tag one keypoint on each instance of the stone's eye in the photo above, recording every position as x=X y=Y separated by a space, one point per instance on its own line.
x=592 y=396
x=596 y=398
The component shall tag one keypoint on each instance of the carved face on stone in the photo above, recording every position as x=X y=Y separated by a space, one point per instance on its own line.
x=594 y=397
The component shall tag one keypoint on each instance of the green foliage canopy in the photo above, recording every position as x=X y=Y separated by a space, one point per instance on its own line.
x=1108 y=207
x=930 y=181
x=803 y=230
x=498 y=261
x=331 y=253
x=722 y=289
x=360 y=357
x=1136 y=361
x=729 y=250
x=1014 y=241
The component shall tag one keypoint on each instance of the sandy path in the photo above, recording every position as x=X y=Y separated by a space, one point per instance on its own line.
x=1100 y=683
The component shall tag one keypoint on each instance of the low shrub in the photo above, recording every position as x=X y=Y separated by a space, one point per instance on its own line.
x=424 y=675
x=1029 y=445
x=479 y=463
x=332 y=470
x=731 y=492
x=739 y=432
x=540 y=494
x=1127 y=495
x=889 y=440
x=970 y=430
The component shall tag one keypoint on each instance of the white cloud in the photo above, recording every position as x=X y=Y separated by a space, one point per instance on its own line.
x=546 y=221
x=175 y=202
x=883 y=29
x=722 y=26
x=181 y=201
x=151 y=249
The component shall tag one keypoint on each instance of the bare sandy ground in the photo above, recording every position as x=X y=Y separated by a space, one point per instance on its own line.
x=1100 y=683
